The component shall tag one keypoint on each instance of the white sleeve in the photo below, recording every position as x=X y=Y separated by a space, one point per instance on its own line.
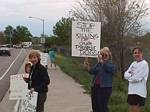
x=142 y=74
x=127 y=75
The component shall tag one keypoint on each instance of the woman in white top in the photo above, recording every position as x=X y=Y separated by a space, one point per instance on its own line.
x=137 y=75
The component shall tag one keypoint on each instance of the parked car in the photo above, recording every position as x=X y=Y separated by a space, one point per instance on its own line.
x=5 y=51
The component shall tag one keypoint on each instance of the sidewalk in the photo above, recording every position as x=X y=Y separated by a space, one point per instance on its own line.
x=65 y=95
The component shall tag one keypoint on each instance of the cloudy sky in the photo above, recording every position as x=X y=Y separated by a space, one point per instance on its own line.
x=16 y=12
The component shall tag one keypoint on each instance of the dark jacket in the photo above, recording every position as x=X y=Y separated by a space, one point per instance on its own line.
x=105 y=72
x=38 y=78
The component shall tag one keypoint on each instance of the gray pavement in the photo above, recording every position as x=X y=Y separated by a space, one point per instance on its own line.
x=65 y=95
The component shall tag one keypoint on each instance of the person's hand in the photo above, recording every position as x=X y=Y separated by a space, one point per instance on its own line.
x=86 y=64
x=130 y=72
x=25 y=79
x=99 y=58
x=31 y=90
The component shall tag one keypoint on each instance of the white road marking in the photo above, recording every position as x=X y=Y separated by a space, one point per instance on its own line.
x=10 y=66
x=16 y=106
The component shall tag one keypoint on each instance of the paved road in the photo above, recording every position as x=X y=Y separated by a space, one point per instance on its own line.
x=11 y=63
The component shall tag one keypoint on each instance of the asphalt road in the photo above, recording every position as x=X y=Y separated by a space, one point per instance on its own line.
x=9 y=65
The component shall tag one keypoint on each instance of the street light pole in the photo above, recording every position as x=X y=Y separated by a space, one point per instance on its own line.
x=43 y=35
x=42 y=22
x=43 y=29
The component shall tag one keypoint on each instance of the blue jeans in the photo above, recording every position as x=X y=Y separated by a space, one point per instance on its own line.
x=100 y=98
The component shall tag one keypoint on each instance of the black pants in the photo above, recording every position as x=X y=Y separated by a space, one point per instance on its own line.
x=100 y=98
x=40 y=102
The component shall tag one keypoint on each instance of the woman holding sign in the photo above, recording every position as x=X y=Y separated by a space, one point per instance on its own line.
x=38 y=80
x=103 y=73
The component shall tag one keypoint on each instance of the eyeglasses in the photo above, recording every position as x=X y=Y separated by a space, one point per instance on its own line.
x=136 y=52
x=104 y=55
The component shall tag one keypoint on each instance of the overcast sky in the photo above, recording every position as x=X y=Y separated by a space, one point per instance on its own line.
x=16 y=12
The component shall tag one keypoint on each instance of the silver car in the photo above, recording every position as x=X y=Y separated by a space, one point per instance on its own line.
x=5 y=51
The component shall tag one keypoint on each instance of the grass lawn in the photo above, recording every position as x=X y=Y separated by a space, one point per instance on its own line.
x=74 y=68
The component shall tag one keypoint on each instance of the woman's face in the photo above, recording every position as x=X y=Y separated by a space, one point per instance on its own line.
x=137 y=55
x=34 y=59
x=105 y=56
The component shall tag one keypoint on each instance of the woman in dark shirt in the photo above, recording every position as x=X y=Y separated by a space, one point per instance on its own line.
x=38 y=79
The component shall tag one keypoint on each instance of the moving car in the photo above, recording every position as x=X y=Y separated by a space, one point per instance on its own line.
x=5 y=51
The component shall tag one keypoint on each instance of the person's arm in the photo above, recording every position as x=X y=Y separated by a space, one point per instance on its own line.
x=141 y=74
x=109 y=67
x=128 y=73
x=95 y=69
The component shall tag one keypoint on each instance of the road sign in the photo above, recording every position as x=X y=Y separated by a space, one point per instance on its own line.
x=42 y=40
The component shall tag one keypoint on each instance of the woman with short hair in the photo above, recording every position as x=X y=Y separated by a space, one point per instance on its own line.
x=103 y=73
x=38 y=80
x=137 y=75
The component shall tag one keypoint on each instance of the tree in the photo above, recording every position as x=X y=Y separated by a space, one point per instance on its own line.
x=118 y=18
x=62 y=30
x=2 y=38
x=9 y=33
x=18 y=34
x=52 y=41
x=21 y=34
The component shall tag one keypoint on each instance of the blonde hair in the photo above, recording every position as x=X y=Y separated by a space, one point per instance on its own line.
x=35 y=53
x=106 y=50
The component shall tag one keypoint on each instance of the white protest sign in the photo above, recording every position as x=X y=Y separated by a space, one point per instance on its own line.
x=44 y=59
x=85 y=38
x=17 y=87
x=29 y=102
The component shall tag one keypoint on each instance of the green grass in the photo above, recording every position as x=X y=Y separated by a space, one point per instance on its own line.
x=74 y=68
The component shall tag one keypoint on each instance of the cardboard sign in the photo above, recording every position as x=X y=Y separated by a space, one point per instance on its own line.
x=17 y=87
x=29 y=102
x=85 y=38
x=44 y=59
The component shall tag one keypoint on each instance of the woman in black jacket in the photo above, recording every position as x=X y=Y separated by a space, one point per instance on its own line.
x=38 y=80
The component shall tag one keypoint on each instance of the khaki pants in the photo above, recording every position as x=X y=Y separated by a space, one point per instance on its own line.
x=40 y=102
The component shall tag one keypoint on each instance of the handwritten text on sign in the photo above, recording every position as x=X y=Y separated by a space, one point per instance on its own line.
x=85 y=38
x=17 y=86
x=29 y=102
x=44 y=58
